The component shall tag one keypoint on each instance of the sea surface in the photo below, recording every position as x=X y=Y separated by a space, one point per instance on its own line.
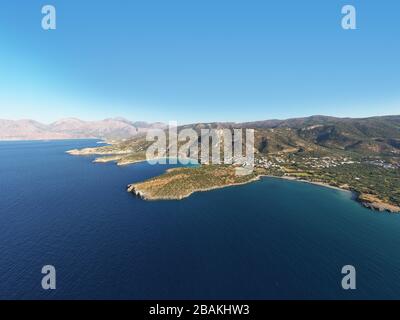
x=272 y=239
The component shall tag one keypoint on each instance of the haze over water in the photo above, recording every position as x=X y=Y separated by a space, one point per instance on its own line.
x=268 y=239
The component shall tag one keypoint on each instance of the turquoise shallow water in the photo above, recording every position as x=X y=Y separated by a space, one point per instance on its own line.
x=272 y=239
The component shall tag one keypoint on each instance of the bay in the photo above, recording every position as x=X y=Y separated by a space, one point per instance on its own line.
x=271 y=239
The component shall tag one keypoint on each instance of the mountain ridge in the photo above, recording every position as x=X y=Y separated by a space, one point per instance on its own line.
x=377 y=134
x=74 y=128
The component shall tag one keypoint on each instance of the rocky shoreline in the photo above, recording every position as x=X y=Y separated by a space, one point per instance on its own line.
x=367 y=201
x=372 y=202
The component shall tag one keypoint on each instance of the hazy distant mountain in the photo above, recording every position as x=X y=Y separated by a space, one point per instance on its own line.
x=73 y=128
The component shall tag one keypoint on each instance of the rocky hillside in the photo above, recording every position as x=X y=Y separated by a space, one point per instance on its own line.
x=364 y=136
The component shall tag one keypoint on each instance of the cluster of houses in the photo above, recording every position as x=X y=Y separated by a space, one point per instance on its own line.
x=384 y=164
x=311 y=162
x=279 y=162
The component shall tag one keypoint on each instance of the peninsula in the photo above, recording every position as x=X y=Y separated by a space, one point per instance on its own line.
x=358 y=155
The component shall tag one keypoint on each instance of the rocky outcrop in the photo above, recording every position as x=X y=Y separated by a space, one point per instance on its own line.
x=132 y=189
x=372 y=202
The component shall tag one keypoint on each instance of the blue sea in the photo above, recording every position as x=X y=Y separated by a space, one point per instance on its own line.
x=272 y=239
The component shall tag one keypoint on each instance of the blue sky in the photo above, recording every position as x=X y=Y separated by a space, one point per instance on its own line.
x=198 y=60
